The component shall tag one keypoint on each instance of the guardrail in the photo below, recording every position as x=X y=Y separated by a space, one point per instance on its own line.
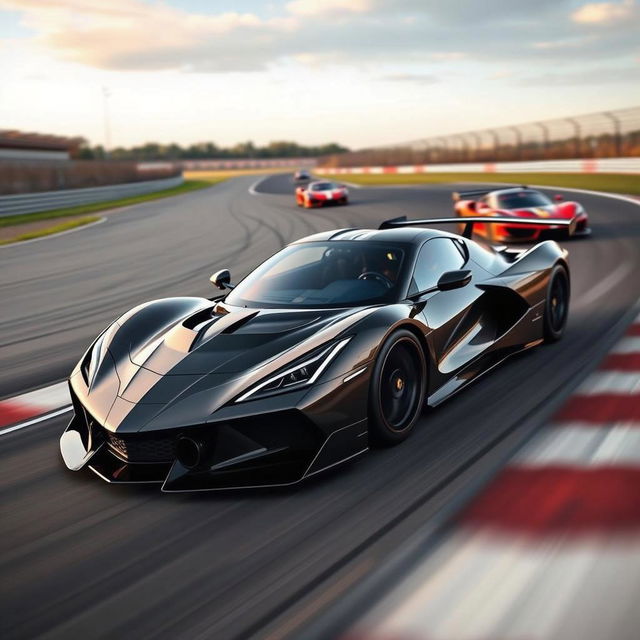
x=588 y=165
x=48 y=200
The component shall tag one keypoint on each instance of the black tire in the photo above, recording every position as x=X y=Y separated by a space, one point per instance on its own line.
x=556 y=310
x=397 y=389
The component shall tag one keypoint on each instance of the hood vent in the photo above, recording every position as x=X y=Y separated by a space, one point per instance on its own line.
x=205 y=315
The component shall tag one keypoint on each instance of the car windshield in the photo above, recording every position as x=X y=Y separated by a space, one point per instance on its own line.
x=323 y=186
x=324 y=274
x=523 y=199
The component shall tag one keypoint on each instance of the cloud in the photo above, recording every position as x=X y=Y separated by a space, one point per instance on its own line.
x=605 y=13
x=139 y=35
x=328 y=8
x=132 y=34
x=413 y=78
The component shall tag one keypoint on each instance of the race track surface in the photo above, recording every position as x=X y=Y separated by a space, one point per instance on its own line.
x=84 y=559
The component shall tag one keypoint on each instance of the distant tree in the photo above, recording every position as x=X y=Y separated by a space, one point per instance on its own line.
x=209 y=150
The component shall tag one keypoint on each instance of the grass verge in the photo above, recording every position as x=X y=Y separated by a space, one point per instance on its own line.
x=613 y=182
x=47 y=231
x=219 y=174
x=189 y=185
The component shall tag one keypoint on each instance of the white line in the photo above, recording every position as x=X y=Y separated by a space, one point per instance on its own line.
x=627 y=345
x=21 y=243
x=256 y=184
x=604 y=286
x=615 y=196
x=617 y=382
x=28 y=423
x=584 y=446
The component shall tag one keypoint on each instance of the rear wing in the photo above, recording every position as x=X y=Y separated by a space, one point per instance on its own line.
x=468 y=222
x=471 y=194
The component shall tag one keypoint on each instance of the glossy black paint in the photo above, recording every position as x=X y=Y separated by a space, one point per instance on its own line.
x=158 y=397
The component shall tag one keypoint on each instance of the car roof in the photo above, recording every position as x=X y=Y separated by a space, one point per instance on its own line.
x=406 y=235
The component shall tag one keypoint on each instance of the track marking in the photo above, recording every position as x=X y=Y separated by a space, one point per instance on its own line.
x=42 y=418
x=256 y=184
x=604 y=286
x=21 y=243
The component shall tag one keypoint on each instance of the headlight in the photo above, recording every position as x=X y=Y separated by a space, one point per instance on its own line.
x=305 y=371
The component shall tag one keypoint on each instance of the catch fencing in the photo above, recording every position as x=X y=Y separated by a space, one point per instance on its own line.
x=49 y=200
x=607 y=134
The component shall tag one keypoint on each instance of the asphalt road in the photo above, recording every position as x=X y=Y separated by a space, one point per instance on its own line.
x=81 y=558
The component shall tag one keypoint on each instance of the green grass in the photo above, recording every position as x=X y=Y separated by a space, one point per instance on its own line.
x=47 y=231
x=614 y=182
x=189 y=185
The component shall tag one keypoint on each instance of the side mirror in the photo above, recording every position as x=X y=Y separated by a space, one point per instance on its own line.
x=221 y=279
x=558 y=197
x=454 y=280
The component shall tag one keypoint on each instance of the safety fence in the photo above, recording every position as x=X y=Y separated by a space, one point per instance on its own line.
x=610 y=134
x=48 y=200
x=584 y=165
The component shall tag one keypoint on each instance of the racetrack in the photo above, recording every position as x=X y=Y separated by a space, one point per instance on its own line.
x=82 y=558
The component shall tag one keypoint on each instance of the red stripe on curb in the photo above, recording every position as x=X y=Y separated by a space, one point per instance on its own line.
x=622 y=362
x=12 y=412
x=601 y=408
x=554 y=500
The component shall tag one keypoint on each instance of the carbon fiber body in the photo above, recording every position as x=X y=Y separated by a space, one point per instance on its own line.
x=176 y=370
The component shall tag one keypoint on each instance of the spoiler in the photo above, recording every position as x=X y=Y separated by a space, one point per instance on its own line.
x=476 y=193
x=468 y=222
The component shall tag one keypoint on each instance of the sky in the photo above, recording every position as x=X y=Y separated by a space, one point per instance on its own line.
x=358 y=72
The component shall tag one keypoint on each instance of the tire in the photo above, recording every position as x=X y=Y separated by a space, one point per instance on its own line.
x=556 y=310
x=397 y=389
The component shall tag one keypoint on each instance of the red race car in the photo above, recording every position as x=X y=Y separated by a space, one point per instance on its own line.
x=317 y=194
x=520 y=202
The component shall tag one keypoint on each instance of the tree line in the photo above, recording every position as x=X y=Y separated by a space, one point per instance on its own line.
x=209 y=150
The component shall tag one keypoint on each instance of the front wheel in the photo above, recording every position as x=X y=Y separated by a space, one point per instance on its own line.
x=556 y=309
x=397 y=389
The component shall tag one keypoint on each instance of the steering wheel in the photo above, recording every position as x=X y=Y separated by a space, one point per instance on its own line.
x=374 y=275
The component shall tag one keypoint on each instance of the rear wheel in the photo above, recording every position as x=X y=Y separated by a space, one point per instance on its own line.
x=398 y=389
x=556 y=309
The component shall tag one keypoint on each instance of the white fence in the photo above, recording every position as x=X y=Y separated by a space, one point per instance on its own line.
x=48 y=200
x=589 y=165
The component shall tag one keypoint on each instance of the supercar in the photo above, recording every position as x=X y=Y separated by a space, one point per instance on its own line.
x=332 y=345
x=525 y=203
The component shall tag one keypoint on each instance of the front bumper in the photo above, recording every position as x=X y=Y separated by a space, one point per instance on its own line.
x=274 y=448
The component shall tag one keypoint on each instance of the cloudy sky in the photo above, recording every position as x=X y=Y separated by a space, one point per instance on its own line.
x=360 y=72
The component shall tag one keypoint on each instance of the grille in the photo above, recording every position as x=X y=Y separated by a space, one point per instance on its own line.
x=137 y=448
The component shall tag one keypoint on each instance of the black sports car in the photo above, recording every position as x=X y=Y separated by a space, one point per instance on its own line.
x=331 y=345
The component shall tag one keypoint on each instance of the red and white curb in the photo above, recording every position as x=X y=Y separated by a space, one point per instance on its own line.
x=551 y=548
x=576 y=165
x=35 y=406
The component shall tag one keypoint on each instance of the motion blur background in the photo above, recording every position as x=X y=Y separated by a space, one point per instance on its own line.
x=185 y=120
